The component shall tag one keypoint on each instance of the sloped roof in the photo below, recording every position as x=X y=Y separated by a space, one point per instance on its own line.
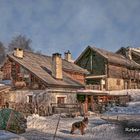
x=135 y=53
x=41 y=66
x=113 y=57
x=4 y=88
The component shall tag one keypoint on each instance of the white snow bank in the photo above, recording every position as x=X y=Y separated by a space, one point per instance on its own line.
x=36 y=122
x=133 y=108
x=137 y=103
x=134 y=93
x=123 y=110
x=5 y=135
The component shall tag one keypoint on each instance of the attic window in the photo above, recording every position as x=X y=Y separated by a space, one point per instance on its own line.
x=47 y=70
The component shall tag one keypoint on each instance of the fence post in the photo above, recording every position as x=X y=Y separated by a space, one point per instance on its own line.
x=57 y=127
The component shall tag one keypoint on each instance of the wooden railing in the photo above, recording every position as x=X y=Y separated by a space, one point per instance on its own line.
x=93 y=87
x=64 y=108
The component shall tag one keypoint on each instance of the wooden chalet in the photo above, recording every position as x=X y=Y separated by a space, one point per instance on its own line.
x=108 y=72
x=54 y=79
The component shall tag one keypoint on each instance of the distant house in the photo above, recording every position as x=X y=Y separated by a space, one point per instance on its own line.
x=55 y=79
x=134 y=53
x=108 y=70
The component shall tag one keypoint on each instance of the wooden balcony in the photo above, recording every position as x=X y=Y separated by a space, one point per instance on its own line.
x=93 y=87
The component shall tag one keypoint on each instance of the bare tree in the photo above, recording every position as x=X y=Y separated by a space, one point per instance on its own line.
x=20 y=41
x=2 y=52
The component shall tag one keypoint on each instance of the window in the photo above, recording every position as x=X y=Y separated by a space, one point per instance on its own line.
x=29 y=99
x=60 y=100
x=118 y=82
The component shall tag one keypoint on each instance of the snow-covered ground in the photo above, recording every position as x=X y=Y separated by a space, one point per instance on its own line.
x=134 y=93
x=4 y=135
x=43 y=128
x=132 y=108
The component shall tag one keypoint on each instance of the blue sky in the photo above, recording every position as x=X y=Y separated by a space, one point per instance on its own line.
x=59 y=25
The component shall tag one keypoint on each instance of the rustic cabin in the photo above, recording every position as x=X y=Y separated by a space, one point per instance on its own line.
x=42 y=79
x=108 y=72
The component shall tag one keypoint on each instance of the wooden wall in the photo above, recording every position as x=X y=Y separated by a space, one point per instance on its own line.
x=115 y=71
x=6 y=69
x=21 y=78
x=77 y=76
x=129 y=78
x=93 y=62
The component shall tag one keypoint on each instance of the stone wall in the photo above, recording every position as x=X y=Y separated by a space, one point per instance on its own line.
x=42 y=96
x=52 y=97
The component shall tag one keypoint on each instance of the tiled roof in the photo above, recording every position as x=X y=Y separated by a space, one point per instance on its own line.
x=41 y=66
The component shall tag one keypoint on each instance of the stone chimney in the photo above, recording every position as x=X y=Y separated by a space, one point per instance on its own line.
x=129 y=53
x=18 y=52
x=68 y=56
x=57 y=66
